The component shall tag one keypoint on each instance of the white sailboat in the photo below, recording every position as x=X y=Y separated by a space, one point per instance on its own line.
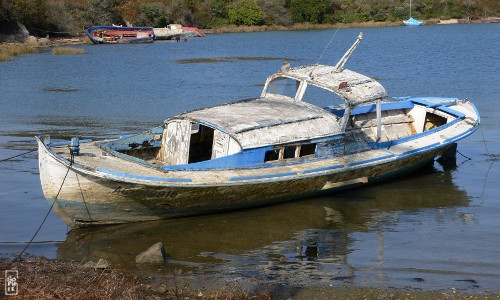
x=411 y=21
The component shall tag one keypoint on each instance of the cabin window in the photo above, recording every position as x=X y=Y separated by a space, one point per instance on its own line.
x=307 y=149
x=289 y=152
x=323 y=98
x=433 y=121
x=200 y=144
x=272 y=155
x=284 y=86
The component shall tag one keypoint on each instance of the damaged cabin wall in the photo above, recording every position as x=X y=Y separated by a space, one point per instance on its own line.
x=224 y=145
x=175 y=143
x=418 y=113
x=234 y=147
x=220 y=145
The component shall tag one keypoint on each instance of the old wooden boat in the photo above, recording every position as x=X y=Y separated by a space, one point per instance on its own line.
x=120 y=34
x=176 y=32
x=266 y=150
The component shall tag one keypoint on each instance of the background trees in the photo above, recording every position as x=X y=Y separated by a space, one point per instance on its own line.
x=57 y=17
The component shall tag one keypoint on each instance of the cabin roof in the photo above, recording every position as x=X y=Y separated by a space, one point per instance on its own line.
x=268 y=120
x=353 y=87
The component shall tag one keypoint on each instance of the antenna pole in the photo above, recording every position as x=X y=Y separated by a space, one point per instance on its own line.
x=340 y=65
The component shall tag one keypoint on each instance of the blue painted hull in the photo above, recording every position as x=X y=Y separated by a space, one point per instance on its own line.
x=120 y=202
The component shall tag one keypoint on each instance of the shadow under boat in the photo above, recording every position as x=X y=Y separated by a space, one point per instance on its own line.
x=197 y=241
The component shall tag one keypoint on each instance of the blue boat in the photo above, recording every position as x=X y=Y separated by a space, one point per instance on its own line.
x=270 y=149
x=120 y=34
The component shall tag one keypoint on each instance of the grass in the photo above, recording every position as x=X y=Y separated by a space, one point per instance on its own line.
x=41 y=278
x=9 y=50
x=67 y=51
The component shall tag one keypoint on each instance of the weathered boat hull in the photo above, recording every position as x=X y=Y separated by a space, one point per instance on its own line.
x=120 y=35
x=86 y=200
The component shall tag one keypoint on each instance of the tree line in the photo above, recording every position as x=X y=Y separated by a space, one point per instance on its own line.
x=71 y=17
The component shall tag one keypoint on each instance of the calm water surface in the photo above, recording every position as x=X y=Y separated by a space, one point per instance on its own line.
x=436 y=229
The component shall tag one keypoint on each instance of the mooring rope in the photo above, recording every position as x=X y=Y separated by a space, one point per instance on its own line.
x=37 y=242
x=489 y=168
x=48 y=212
x=468 y=158
x=484 y=141
x=9 y=158
x=83 y=198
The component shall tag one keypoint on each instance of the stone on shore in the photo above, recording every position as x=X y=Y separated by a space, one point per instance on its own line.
x=90 y=264
x=102 y=264
x=44 y=42
x=31 y=40
x=154 y=254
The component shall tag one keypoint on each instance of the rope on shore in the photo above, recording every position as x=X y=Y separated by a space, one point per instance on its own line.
x=48 y=212
x=9 y=158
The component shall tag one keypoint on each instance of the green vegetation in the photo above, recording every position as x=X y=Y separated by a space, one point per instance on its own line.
x=71 y=17
x=67 y=51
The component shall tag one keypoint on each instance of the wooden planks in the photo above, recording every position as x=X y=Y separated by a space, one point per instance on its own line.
x=396 y=124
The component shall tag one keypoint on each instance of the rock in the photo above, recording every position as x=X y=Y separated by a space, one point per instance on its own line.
x=31 y=40
x=44 y=42
x=155 y=254
x=89 y=264
x=102 y=264
x=22 y=30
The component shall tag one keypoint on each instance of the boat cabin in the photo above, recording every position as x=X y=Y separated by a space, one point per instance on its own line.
x=303 y=112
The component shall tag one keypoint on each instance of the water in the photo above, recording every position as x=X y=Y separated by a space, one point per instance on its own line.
x=437 y=229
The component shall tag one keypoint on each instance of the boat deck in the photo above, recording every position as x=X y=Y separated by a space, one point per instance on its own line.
x=104 y=164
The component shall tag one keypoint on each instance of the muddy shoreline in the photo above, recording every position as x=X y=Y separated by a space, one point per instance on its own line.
x=39 y=277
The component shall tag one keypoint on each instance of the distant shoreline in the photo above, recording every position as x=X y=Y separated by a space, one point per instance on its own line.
x=368 y=24
x=10 y=49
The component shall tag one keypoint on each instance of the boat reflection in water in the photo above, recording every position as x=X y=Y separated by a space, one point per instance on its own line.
x=340 y=237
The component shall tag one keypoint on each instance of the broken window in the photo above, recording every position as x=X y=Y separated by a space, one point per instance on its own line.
x=307 y=149
x=286 y=152
x=272 y=155
x=289 y=152
x=200 y=144
x=325 y=99
x=283 y=86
